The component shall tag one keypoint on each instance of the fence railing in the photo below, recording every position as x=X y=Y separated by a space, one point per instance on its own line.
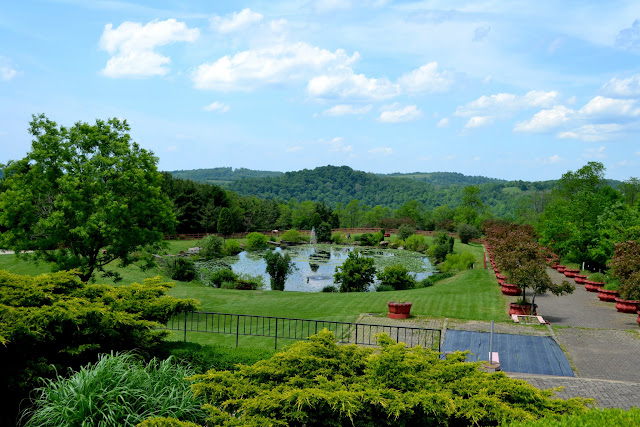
x=284 y=328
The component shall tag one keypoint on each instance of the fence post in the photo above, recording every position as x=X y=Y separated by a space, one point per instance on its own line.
x=356 y=334
x=276 y=344
x=237 y=329
x=185 y=326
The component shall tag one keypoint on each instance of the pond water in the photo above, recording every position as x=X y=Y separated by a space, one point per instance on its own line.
x=317 y=264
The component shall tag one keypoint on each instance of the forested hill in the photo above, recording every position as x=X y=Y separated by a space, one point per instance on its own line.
x=333 y=185
x=222 y=176
x=444 y=179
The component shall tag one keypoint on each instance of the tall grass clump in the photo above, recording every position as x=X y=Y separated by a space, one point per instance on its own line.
x=118 y=390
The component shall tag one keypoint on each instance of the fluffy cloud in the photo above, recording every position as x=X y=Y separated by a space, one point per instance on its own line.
x=593 y=132
x=507 y=103
x=426 y=79
x=7 y=71
x=344 y=110
x=602 y=107
x=337 y=145
x=552 y=159
x=346 y=84
x=545 y=120
x=443 y=123
x=280 y=63
x=235 y=22
x=595 y=153
x=381 y=151
x=629 y=87
x=478 y=121
x=399 y=115
x=629 y=38
x=132 y=46
x=217 y=106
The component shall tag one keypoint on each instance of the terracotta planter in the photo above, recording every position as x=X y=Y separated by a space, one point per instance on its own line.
x=639 y=317
x=399 y=310
x=511 y=290
x=561 y=268
x=608 y=296
x=580 y=280
x=593 y=286
x=521 y=309
x=500 y=277
x=571 y=272
x=555 y=266
x=627 y=306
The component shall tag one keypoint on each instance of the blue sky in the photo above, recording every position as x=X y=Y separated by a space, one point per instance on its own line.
x=505 y=89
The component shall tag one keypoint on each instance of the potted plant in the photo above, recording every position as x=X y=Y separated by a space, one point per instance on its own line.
x=625 y=266
x=522 y=307
x=510 y=289
x=399 y=309
x=609 y=292
x=594 y=282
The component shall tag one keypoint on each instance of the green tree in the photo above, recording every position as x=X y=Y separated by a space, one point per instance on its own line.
x=405 y=230
x=467 y=232
x=84 y=197
x=323 y=232
x=397 y=276
x=256 y=241
x=356 y=274
x=279 y=267
x=225 y=222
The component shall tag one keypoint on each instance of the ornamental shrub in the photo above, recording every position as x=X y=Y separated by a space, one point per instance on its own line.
x=232 y=247
x=256 y=241
x=457 y=262
x=415 y=242
x=397 y=277
x=319 y=382
x=211 y=246
x=292 y=235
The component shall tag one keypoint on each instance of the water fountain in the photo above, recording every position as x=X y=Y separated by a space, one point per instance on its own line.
x=312 y=236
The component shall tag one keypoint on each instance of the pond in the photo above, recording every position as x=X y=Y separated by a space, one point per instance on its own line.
x=317 y=264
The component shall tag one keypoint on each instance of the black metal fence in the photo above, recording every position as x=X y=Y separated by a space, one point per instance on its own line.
x=299 y=329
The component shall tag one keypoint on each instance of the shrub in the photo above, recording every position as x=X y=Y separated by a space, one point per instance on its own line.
x=291 y=236
x=397 y=277
x=384 y=288
x=232 y=247
x=467 y=232
x=329 y=288
x=425 y=283
x=597 y=277
x=439 y=252
x=319 y=382
x=180 y=268
x=337 y=238
x=457 y=262
x=371 y=239
x=405 y=230
x=323 y=232
x=595 y=417
x=118 y=390
x=356 y=273
x=415 y=242
x=211 y=246
x=218 y=277
x=256 y=241
x=279 y=266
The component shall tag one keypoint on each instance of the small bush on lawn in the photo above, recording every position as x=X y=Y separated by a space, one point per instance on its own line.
x=439 y=252
x=256 y=241
x=232 y=247
x=337 y=238
x=405 y=231
x=292 y=235
x=397 y=277
x=319 y=382
x=218 y=277
x=211 y=246
x=323 y=232
x=595 y=417
x=118 y=390
x=467 y=232
x=425 y=283
x=329 y=288
x=457 y=262
x=415 y=242
x=384 y=288
x=371 y=239
x=180 y=268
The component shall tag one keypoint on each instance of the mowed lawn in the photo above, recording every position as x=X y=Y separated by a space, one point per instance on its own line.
x=472 y=294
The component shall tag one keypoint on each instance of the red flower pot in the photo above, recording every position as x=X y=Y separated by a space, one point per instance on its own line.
x=593 y=286
x=627 y=306
x=399 y=310
x=521 y=309
x=561 y=268
x=511 y=290
x=580 y=280
x=639 y=317
x=607 y=295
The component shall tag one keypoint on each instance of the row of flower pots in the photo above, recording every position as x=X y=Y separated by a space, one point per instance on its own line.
x=622 y=305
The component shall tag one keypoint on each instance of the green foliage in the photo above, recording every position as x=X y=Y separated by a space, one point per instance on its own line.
x=467 y=233
x=597 y=277
x=292 y=235
x=404 y=231
x=256 y=241
x=371 y=239
x=329 y=289
x=397 y=277
x=356 y=273
x=225 y=221
x=118 y=390
x=279 y=266
x=323 y=232
x=596 y=417
x=457 y=262
x=180 y=268
x=337 y=238
x=625 y=266
x=218 y=277
x=55 y=321
x=83 y=197
x=322 y=383
x=211 y=246
x=415 y=242
x=439 y=252
x=232 y=247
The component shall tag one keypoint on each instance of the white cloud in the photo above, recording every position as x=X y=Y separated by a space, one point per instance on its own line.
x=603 y=107
x=280 y=63
x=237 y=21
x=7 y=70
x=294 y=149
x=507 y=103
x=132 y=47
x=478 y=121
x=344 y=109
x=337 y=145
x=593 y=132
x=426 y=79
x=552 y=159
x=217 y=106
x=443 y=123
x=383 y=151
x=399 y=115
x=331 y=5
x=629 y=87
x=344 y=83
x=595 y=153
x=545 y=120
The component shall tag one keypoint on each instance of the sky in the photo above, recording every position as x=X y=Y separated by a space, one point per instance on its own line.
x=505 y=89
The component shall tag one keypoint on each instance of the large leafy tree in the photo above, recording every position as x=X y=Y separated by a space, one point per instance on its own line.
x=356 y=273
x=83 y=197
